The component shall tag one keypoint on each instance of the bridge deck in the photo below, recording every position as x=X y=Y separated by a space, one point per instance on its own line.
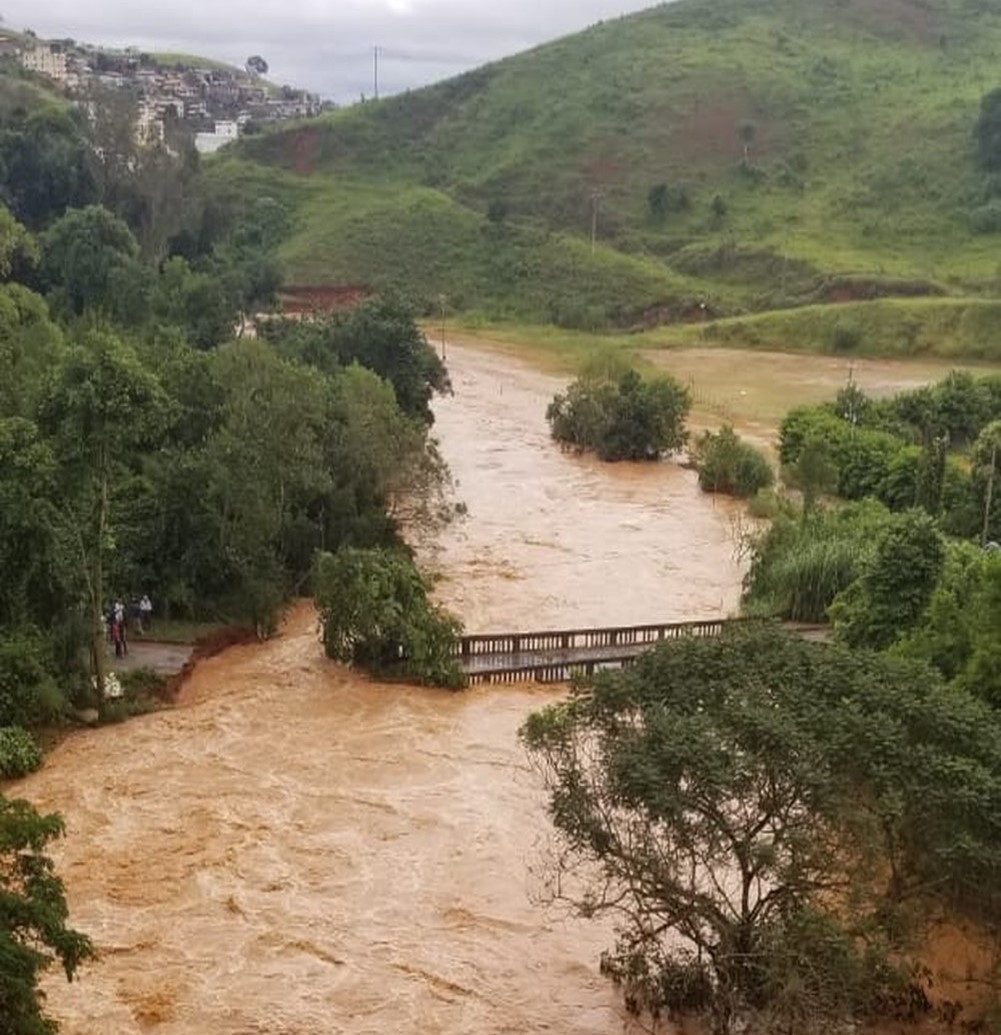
x=557 y=656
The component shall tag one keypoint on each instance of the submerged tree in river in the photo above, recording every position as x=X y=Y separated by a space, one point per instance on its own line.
x=625 y=418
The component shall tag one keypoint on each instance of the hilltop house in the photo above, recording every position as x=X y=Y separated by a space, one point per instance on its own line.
x=48 y=59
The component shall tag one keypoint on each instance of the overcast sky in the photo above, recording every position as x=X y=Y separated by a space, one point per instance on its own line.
x=323 y=45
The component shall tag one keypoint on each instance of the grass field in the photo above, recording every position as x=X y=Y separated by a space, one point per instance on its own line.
x=946 y=327
x=192 y=61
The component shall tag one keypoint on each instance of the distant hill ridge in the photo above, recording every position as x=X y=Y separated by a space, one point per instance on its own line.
x=730 y=156
x=733 y=154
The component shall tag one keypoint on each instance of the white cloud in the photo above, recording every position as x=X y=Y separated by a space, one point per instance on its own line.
x=324 y=45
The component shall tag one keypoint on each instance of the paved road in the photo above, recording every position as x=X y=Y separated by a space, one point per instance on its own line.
x=166 y=659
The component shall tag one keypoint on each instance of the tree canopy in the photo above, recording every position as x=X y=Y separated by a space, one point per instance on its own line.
x=622 y=417
x=33 y=918
x=375 y=611
x=709 y=798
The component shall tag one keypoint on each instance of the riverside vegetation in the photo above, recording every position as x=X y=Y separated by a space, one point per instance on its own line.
x=715 y=792
x=147 y=445
x=612 y=411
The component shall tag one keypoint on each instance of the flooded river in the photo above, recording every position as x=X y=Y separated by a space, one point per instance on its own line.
x=557 y=541
x=295 y=850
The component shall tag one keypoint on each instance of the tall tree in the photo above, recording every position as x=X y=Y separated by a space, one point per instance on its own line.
x=707 y=800
x=90 y=262
x=102 y=408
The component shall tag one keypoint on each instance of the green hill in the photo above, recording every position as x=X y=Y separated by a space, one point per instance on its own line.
x=805 y=151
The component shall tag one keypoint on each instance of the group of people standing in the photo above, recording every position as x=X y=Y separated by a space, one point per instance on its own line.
x=118 y=622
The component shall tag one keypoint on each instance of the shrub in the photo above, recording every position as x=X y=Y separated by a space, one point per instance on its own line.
x=19 y=754
x=727 y=464
x=986 y=219
x=845 y=336
x=497 y=211
x=863 y=459
x=804 y=423
x=28 y=693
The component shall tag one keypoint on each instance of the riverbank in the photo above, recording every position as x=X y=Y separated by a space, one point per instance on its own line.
x=752 y=390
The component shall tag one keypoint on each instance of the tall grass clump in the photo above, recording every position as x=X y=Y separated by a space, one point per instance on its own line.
x=803 y=561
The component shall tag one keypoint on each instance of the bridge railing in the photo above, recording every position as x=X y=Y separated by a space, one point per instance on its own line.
x=548 y=672
x=585 y=639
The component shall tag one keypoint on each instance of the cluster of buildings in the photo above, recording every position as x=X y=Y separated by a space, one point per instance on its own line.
x=214 y=102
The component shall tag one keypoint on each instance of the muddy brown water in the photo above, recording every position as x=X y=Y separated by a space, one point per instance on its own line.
x=293 y=849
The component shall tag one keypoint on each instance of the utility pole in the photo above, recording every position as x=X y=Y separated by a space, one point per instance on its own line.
x=442 y=300
x=376 y=50
x=596 y=196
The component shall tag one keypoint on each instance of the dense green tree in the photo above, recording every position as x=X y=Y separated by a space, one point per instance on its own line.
x=264 y=457
x=384 y=462
x=28 y=473
x=244 y=260
x=903 y=450
x=707 y=799
x=43 y=167
x=958 y=632
x=891 y=595
x=89 y=261
x=33 y=918
x=102 y=409
x=628 y=418
x=195 y=302
x=30 y=345
x=16 y=244
x=380 y=334
x=375 y=609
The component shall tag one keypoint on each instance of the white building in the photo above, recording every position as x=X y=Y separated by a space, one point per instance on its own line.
x=46 y=61
x=225 y=133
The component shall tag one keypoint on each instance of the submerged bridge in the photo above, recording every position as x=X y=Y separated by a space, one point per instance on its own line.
x=556 y=657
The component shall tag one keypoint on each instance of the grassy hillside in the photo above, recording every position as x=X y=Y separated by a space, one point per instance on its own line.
x=859 y=177
x=889 y=327
x=23 y=92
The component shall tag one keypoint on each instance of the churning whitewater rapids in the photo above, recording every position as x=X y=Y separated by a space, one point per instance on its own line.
x=294 y=849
